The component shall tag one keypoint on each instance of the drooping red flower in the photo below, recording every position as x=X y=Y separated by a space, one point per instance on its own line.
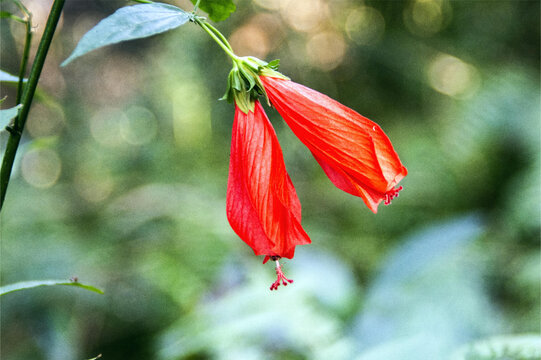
x=353 y=151
x=262 y=205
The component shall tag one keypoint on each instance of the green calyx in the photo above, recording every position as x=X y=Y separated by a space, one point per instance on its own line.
x=244 y=85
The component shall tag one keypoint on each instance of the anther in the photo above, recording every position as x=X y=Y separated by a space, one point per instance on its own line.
x=280 y=277
x=391 y=194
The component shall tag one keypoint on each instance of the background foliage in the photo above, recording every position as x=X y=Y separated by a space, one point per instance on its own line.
x=123 y=172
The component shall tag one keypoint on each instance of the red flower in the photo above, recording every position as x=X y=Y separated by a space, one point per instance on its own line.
x=262 y=205
x=353 y=151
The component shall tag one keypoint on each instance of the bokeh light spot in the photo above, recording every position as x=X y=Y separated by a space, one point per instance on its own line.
x=326 y=50
x=365 y=25
x=250 y=40
x=105 y=127
x=139 y=126
x=426 y=17
x=41 y=168
x=451 y=76
x=260 y=35
x=48 y=122
x=304 y=15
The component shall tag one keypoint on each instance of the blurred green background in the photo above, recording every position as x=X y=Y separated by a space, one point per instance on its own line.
x=121 y=182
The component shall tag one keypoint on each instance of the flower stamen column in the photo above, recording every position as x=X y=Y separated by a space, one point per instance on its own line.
x=280 y=277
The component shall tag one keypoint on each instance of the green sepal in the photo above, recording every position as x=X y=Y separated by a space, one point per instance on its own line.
x=235 y=81
x=244 y=84
x=249 y=77
x=244 y=102
x=274 y=64
x=266 y=71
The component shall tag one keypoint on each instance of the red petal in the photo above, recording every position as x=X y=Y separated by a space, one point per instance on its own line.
x=348 y=184
x=262 y=205
x=354 y=152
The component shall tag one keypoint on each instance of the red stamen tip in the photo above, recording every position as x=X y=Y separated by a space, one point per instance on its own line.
x=280 y=278
x=391 y=194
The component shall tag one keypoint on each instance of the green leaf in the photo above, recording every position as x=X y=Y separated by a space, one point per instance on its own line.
x=35 y=283
x=510 y=347
x=217 y=10
x=128 y=23
x=7 y=77
x=8 y=114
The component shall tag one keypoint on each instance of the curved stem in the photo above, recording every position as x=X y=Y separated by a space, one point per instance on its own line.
x=220 y=35
x=27 y=97
x=220 y=39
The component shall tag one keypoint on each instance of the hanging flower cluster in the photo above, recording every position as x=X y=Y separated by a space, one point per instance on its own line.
x=262 y=205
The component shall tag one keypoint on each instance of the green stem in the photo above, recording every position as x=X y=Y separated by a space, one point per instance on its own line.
x=196 y=6
x=219 y=34
x=24 y=60
x=28 y=95
x=218 y=37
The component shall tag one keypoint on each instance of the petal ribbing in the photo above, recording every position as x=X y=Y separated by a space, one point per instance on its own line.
x=353 y=151
x=262 y=205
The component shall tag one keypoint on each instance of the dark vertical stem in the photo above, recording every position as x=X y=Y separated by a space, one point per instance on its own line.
x=24 y=61
x=28 y=95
